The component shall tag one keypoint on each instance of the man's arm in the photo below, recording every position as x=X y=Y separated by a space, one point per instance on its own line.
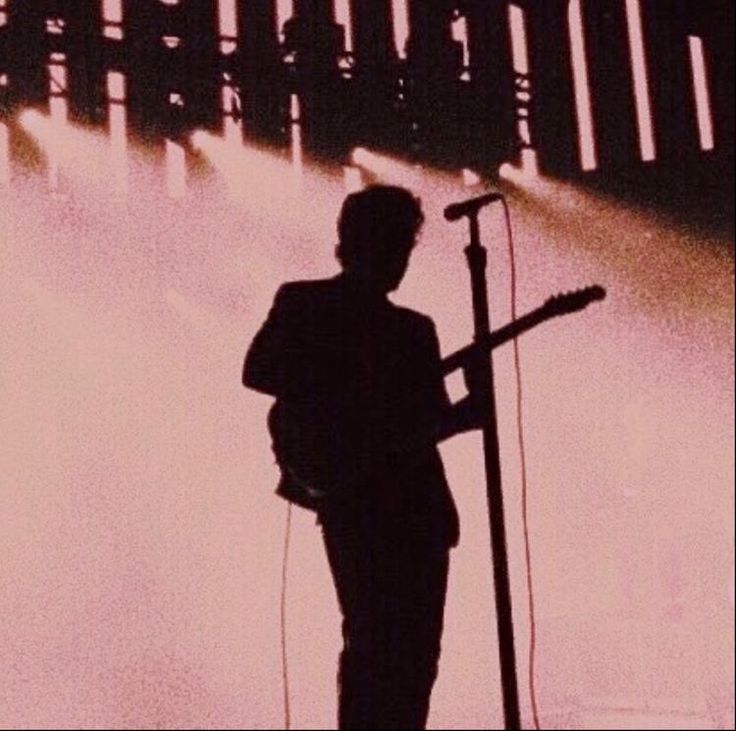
x=266 y=360
x=463 y=416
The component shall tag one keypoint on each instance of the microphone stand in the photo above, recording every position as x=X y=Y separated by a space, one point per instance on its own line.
x=477 y=262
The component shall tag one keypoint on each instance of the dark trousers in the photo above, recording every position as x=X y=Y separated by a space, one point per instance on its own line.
x=391 y=589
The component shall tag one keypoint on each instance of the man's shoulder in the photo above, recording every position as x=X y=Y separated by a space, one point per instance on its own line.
x=414 y=320
x=301 y=290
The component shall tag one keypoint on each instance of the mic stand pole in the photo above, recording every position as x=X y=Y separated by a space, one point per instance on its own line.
x=477 y=262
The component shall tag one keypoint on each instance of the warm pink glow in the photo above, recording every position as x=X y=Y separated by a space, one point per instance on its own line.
x=118 y=126
x=118 y=121
x=115 y=32
x=251 y=175
x=647 y=144
x=117 y=114
x=353 y=179
x=55 y=26
x=525 y=173
x=57 y=76
x=460 y=35
x=470 y=178
x=30 y=119
x=702 y=94
x=385 y=168
x=233 y=127
x=284 y=11
x=586 y=134
x=115 y=86
x=344 y=17
x=176 y=170
x=81 y=153
x=59 y=111
x=401 y=26
x=297 y=144
x=525 y=134
x=519 y=46
x=228 y=46
x=4 y=154
x=59 y=108
x=112 y=11
x=141 y=542
x=228 y=17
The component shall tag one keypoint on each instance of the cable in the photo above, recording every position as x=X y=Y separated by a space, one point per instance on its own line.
x=284 y=656
x=524 y=481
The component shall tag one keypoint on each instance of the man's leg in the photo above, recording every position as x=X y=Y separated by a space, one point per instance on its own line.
x=392 y=596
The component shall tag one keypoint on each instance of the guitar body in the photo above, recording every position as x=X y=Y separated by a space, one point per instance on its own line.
x=318 y=460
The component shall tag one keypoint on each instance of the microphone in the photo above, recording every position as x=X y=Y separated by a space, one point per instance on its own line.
x=470 y=207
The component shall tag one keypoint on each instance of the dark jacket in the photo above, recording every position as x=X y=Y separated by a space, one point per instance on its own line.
x=362 y=379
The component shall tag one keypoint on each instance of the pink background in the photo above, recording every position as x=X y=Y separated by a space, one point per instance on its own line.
x=140 y=544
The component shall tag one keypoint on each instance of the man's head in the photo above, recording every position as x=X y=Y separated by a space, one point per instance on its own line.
x=378 y=229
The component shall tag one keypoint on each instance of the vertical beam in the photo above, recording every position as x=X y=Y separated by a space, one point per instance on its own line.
x=431 y=52
x=492 y=83
x=434 y=65
x=84 y=50
x=714 y=22
x=172 y=49
x=259 y=76
x=317 y=42
x=373 y=24
x=552 y=118
x=27 y=53
x=611 y=83
x=375 y=89
x=665 y=29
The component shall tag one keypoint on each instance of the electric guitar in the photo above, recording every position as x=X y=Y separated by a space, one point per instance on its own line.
x=562 y=304
x=305 y=457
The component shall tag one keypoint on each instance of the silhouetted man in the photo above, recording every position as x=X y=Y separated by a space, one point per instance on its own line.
x=360 y=407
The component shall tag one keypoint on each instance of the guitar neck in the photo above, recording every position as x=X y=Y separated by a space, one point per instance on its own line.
x=462 y=357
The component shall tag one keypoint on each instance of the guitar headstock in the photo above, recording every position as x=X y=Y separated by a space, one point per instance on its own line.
x=568 y=302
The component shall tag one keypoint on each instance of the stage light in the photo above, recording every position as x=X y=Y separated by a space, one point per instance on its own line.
x=30 y=119
x=461 y=35
x=250 y=174
x=112 y=15
x=702 y=97
x=581 y=83
x=344 y=17
x=84 y=158
x=297 y=143
x=353 y=178
x=470 y=178
x=641 y=81
x=519 y=48
x=284 y=11
x=118 y=127
x=401 y=26
x=199 y=139
x=524 y=173
x=228 y=17
x=385 y=168
x=176 y=170
x=359 y=156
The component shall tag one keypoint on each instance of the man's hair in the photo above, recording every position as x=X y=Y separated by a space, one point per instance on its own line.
x=375 y=221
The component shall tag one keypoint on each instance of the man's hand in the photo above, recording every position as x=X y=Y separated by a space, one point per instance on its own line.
x=475 y=376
